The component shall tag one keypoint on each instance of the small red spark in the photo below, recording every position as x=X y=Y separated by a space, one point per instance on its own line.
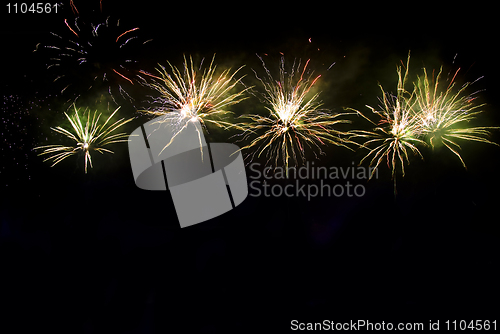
x=66 y=21
x=124 y=77
x=126 y=32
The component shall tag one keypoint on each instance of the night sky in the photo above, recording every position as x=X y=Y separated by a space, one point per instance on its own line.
x=92 y=253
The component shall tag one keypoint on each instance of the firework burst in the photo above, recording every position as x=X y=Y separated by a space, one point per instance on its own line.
x=397 y=131
x=428 y=114
x=295 y=121
x=88 y=135
x=194 y=95
x=86 y=56
x=443 y=115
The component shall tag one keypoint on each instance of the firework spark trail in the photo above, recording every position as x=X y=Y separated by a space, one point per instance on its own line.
x=193 y=96
x=124 y=77
x=73 y=8
x=294 y=121
x=126 y=32
x=397 y=130
x=89 y=137
x=66 y=22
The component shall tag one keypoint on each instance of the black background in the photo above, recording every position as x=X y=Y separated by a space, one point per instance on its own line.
x=92 y=253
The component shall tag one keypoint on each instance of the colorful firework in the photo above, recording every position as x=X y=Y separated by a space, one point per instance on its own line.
x=88 y=55
x=429 y=112
x=194 y=95
x=397 y=130
x=443 y=115
x=88 y=135
x=295 y=121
